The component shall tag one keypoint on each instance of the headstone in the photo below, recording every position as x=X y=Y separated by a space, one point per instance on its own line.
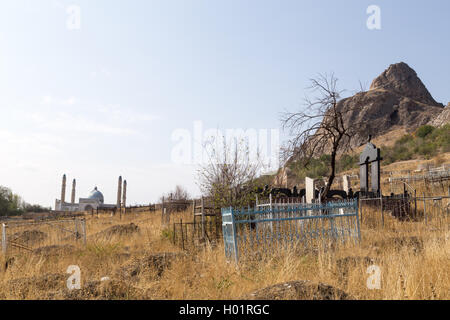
x=310 y=189
x=370 y=157
x=295 y=192
x=346 y=183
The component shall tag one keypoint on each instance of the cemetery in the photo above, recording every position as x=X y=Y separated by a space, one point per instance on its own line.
x=325 y=244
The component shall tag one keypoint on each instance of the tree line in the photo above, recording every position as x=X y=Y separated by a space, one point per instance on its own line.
x=12 y=204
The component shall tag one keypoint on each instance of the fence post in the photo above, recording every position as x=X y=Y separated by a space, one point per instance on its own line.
x=182 y=234
x=415 y=204
x=381 y=208
x=271 y=212
x=174 y=234
x=203 y=218
x=83 y=230
x=4 y=239
x=76 y=228
x=425 y=209
x=360 y=211
x=357 y=219
x=233 y=223
x=162 y=212
x=193 y=213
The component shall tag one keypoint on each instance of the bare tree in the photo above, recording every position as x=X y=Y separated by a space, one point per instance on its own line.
x=179 y=193
x=229 y=176
x=178 y=198
x=320 y=128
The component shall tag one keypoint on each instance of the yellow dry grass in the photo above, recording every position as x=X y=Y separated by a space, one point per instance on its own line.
x=409 y=270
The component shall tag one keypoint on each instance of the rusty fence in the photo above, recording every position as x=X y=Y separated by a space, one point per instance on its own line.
x=31 y=236
x=188 y=235
x=384 y=211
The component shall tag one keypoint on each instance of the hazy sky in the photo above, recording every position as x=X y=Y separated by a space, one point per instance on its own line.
x=104 y=99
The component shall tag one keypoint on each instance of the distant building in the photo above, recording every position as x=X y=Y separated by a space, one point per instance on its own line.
x=92 y=202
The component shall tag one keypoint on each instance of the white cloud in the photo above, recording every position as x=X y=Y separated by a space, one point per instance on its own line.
x=66 y=122
x=50 y=100
x=47 y=100
x=70 y=101
x=105 y=72
x=69 y=115
x=117 y=113
x=20 y=145
x=58 y=4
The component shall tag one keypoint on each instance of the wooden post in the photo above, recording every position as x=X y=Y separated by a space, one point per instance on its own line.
x=162 y=212
x=203 y=218
x=193 y=213
x=390 y=180
x=381 y=208
x=174 y=233
x=415 y=204
x=76 y=228
x=182 y=234
x=4 y=239
x=425 y=208
x=271 y=213
x=83 y=230
x=360 y=209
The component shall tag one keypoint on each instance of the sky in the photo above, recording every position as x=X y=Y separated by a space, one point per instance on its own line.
x=98 y=89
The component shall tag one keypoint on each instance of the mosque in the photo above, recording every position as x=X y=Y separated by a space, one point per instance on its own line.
x=94 y=201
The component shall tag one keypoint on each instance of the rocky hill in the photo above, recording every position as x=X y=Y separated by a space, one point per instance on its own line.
x=396 y=99
x=443 y=118
x=397 y=102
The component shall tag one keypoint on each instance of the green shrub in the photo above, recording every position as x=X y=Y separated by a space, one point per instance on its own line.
x=425 y=130
x=405 y=139
x=427 y=142
x=167 y=234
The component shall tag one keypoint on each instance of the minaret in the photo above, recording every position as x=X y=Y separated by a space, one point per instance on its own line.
x=63 y=189
x=74 y=184
x=119 y=192
x=124 y=197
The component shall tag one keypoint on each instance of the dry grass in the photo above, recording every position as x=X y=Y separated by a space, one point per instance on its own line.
x=138 y=269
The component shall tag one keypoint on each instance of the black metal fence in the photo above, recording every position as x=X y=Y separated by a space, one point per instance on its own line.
x=189 y=235
x=378 y=212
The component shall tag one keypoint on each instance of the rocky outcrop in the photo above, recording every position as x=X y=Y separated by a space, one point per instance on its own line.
x=401 y=79
x=443 y=118
x=397 y=98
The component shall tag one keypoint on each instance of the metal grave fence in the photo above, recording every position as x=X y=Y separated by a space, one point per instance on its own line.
x=30 y=236
x=267 y=230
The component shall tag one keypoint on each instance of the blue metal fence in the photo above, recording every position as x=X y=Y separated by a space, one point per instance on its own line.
x=266 y=230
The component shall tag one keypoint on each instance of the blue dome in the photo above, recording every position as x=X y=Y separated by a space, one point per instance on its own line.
x=96 y=195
